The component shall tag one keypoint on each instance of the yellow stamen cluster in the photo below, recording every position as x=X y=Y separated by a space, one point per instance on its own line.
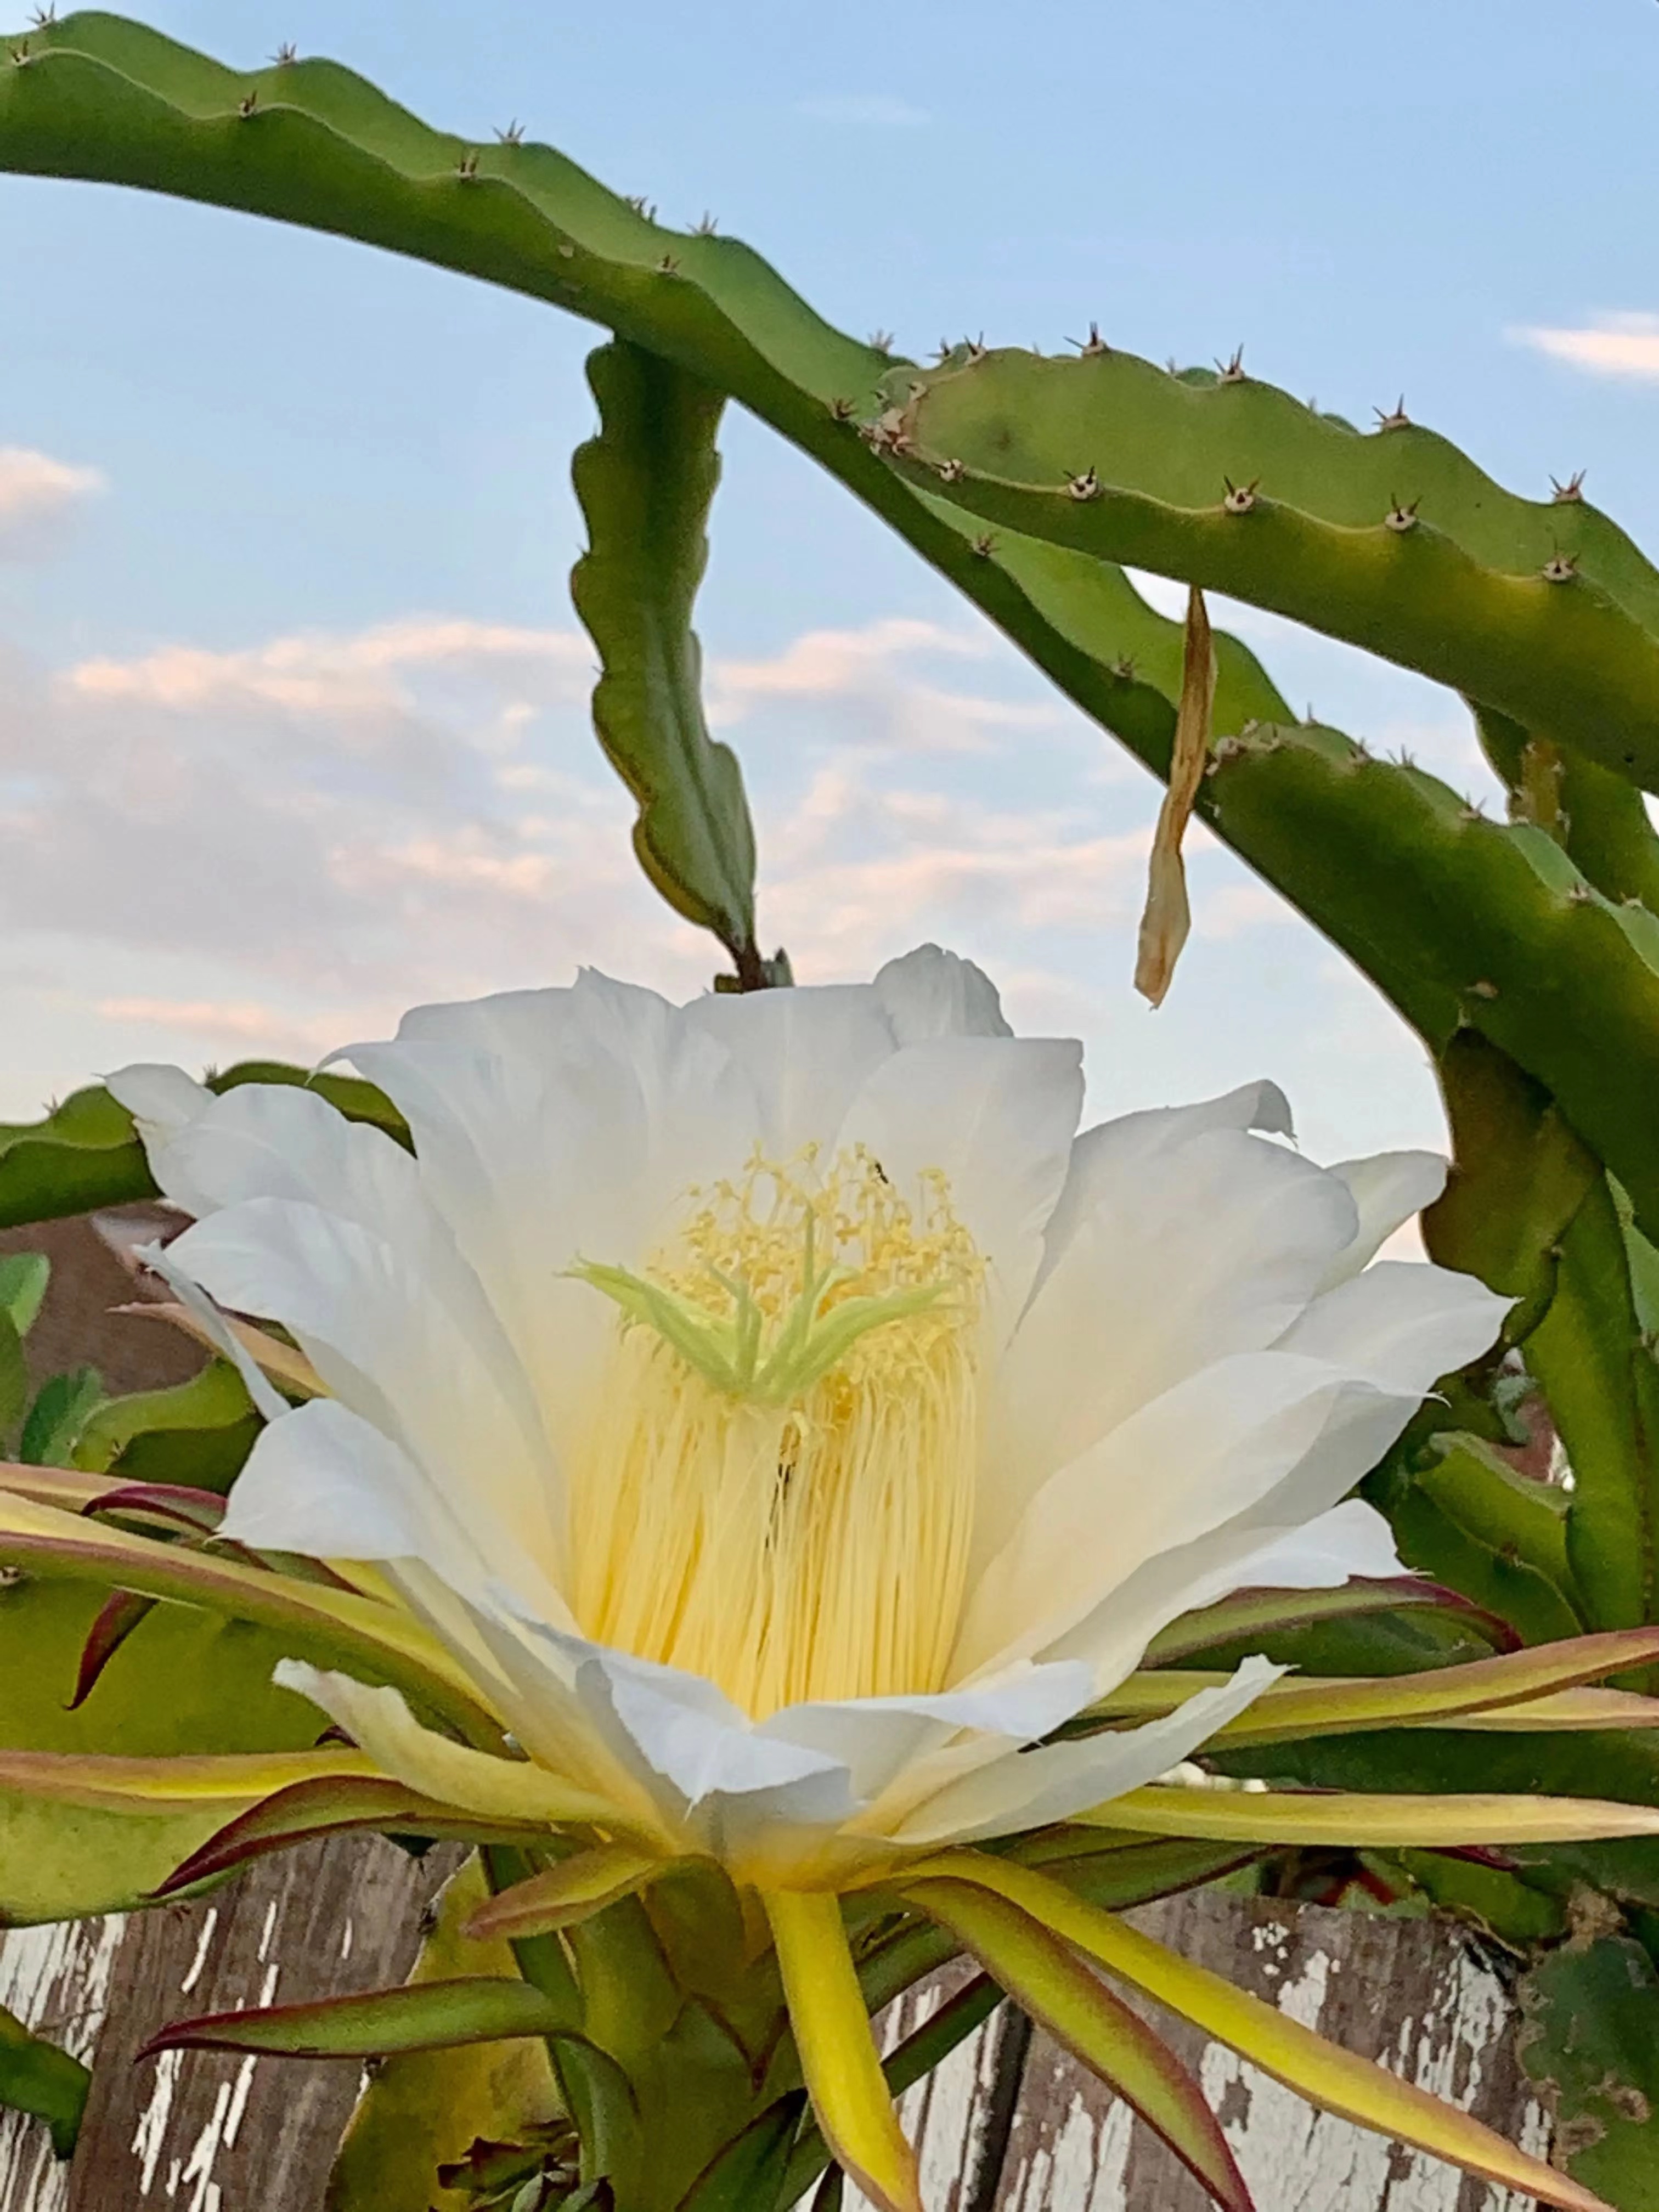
x=778 y=1488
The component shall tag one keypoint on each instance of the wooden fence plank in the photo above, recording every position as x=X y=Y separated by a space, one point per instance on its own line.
x=1407 y=1992
x=204 y=2132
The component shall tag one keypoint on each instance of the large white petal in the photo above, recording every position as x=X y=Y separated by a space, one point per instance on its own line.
x=725 y=1789
x=323 y=1481
x=933 y=994
x=1389 y=1189
x=876 y=1739
x=388 y=1350
x=280 y=1141
x=216 y=1329
x=162 y=1101
x=1032 y=1789
x=1288 y=1536
x=557 y=1126
x=804 y=1051
x=1215 y=1251
x=997 y=1117
x=1401 y=1325
x=1351 y=1542
x=1214 y=1446
x=1112 y=1153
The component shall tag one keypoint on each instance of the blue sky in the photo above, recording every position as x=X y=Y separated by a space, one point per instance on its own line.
x=292 y=725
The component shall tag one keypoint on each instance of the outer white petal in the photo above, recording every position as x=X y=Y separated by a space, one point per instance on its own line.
x=268 y=1400
x=532 y=1027
x=323 y=1481
x=388 y=1350
x=557 y=1126
x=162 y=1101
x=1031 y=1790
x=1284 y=1532
x=1389 y=1189
x=718 y=1782
x=804 y=1051
x=1256 y=1426
x=379 y=1722
x=933 y=993
x=1114 y=1153
x=1214 y=1249
x=279 y=1141
x=997 y=1117
x=1351 y=1542
x=1401 y=1325
x=876 y=1739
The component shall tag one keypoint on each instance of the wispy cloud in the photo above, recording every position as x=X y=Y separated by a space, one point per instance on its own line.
x=210 y=854
x=250 y=1026
x=36 y=494
x=1624 y=345
x=880 y=110
x=316 y=672
x=272 y=847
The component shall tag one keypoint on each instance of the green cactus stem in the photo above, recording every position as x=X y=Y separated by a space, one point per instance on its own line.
x=1393 y=540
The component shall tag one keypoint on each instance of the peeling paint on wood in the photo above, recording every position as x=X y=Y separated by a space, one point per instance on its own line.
x=1407 y=1992
x=202 y=2131
x=56 y=1980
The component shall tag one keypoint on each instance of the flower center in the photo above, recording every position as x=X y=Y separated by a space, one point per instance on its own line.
x=778 y=1488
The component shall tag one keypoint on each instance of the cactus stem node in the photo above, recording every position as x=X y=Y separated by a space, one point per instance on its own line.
x=1401 y=519
x=1093 y=346
x=288 y=52
x=1232 y=370
x=1397 y=419
x=1084 y=487
x=1483 y=990
x=985 y=546
x=1561 y=568
x=881 y=341
x=513 y=134
x=1241 y=498
x=1571 y=493
x=952 y=471
x=247 y=104
x=887 y=434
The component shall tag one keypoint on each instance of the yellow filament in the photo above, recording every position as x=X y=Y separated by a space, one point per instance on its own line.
x=777 y=1492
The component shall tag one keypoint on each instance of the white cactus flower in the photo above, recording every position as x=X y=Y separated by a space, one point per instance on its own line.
x=780 y=1409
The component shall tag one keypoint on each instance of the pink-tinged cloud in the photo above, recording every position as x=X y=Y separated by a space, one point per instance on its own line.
x=36 y=494
x=318 y=673
x=1622 y=345
x=273 y=849
x=239 y=1026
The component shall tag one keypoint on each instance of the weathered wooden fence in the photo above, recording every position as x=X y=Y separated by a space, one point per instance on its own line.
x=199 y=2132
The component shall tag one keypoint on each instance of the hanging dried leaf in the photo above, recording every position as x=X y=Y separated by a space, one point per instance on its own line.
x=1167 y=919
